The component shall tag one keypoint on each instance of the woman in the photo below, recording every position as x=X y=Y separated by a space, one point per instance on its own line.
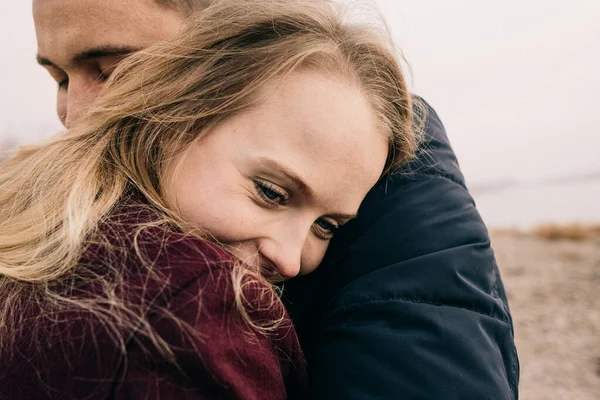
x=136 y=249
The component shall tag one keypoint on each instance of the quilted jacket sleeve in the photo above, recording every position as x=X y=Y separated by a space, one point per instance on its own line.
x=409 y=303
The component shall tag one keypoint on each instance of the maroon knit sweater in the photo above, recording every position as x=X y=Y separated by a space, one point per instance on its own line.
x=184 y=289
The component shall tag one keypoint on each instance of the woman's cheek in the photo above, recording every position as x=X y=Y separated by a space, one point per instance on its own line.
x=312 y=254
x=231 y=220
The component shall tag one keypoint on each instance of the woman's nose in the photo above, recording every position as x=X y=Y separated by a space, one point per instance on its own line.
x=284 y=253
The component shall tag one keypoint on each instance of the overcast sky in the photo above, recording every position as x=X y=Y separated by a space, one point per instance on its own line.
x=515 y=82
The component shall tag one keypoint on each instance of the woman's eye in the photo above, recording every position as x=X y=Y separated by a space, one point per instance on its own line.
x=325 y=229
x=271 y=194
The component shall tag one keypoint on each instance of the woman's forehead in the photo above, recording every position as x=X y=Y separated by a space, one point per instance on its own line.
x=317 y=128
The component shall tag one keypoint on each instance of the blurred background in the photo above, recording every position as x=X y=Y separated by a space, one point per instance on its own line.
x=516 y=84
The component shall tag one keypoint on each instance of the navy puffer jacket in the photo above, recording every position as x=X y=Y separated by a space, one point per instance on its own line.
x=409 y=303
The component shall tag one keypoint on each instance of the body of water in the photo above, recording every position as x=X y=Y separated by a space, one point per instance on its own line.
x=528 y=205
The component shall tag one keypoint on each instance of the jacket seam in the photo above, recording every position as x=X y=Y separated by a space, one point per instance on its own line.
x=423 y=175
x=514 y=383
x=495 y=286
x=411 y=300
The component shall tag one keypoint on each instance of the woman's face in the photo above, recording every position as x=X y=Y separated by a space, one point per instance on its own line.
x=275 y=182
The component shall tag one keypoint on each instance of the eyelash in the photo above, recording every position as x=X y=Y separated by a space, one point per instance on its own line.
x=325 y=233
x=102 y=77
x=319 y=231
x=263 y=187
x=104 y=74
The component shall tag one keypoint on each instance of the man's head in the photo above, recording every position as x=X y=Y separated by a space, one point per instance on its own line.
x=80 y=41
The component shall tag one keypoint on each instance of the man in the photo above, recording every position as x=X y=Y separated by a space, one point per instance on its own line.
x=408 y=302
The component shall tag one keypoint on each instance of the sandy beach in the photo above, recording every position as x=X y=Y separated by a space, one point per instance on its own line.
x=553 y=287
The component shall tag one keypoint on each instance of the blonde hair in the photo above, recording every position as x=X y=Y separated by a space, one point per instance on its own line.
x=53 y=196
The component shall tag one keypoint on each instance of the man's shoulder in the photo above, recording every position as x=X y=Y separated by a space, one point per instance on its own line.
x=409 y=296
x=418 y=221
x=435 y=156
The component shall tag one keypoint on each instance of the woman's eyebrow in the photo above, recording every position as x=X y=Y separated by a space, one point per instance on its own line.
x=343 y=217
x=292 y=176
x=273 y=165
